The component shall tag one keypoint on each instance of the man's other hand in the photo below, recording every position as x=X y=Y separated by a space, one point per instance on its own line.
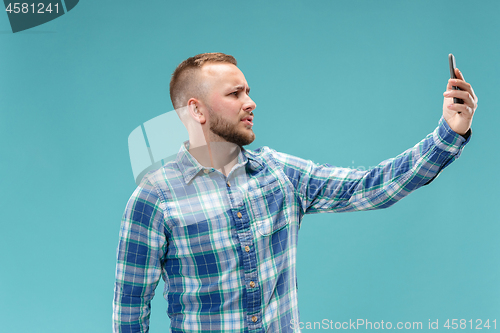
x=459 y=116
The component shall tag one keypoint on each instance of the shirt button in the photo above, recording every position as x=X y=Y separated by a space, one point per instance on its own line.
x=239 y=215
x=228 y=184
x=206 y=171
x=247 y=248
x=252 y=284
x=254 y=318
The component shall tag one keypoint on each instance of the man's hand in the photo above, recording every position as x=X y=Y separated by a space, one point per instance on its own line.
x=459 y=116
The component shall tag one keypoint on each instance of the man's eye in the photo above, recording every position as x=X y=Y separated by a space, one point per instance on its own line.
x=235 y=93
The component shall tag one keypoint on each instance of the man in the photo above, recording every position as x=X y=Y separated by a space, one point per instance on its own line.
x=220 y=223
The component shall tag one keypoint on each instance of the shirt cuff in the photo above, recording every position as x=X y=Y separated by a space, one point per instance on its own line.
x=448 y=140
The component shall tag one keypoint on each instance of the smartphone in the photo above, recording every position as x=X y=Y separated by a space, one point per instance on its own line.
x=451 y=60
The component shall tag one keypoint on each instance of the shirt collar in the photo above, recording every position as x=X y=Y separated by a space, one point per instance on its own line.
x=190 y=167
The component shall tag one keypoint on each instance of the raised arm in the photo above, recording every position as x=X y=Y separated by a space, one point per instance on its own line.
x=326 y=188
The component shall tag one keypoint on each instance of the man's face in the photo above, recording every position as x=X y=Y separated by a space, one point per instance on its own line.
x=228 y=103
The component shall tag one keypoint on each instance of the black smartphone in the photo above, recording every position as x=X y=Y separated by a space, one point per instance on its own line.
x=451 y=60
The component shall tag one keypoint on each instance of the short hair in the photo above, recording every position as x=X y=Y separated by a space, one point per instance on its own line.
x=184 y=84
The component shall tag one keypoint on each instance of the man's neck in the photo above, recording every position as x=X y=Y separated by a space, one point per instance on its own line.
x=221 y=156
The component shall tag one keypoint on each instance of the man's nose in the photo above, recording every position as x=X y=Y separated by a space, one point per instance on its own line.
x=249 y=105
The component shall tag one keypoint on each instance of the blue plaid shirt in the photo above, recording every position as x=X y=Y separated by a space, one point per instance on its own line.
x=226 y=246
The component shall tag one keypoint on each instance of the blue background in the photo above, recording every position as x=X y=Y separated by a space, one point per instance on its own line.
x=349 y=83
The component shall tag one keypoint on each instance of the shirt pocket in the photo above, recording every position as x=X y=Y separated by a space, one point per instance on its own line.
x=268 y=208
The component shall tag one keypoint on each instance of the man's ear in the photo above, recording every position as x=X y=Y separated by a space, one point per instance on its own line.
x=195 y=111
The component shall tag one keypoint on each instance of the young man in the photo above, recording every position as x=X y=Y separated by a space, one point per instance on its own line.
x=220 y=223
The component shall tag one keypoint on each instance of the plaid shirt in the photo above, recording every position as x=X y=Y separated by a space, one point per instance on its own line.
x=226 y=246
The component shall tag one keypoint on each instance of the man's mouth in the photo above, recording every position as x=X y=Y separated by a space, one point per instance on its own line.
x=248 y=120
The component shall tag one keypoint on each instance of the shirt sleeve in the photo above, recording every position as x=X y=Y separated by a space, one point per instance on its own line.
x=326 y=188
x=142 y=244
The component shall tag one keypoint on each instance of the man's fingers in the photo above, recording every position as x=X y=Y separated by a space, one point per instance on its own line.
x=466 y=93
x=461 y=108
x=463 y=95
x=458 y=83
x=459 y=74
x=473 y=94
x=461 y=83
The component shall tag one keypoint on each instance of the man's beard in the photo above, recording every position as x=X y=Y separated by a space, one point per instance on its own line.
x=228 y=131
